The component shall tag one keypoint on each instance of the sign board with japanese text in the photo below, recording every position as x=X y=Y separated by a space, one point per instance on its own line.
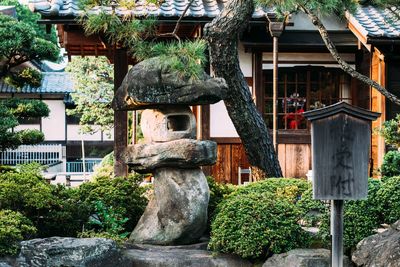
x=340 y=138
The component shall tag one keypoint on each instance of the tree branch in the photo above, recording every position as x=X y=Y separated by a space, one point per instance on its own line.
x=174 y=32
x=343 y=64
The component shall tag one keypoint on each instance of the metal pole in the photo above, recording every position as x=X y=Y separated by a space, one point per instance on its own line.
x=83 y=158
x=275 y=92
x=337 y=233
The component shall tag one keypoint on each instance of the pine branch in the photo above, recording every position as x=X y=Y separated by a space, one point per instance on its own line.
x=343 y=64
x=178 y=23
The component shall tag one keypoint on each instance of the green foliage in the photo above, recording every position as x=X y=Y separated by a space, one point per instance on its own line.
x=25 y=192
x=218 y=192
x=94 y=80
x=14 y=227
x=187 y=58
x=391 y=164
x=31 y=18
x=256 y=224
x=312 y=210
x=106 y=222
x=388 y=199
x=289 y=188
x=391 y=131
x=24 y=108
x=26 y=76
x=20 y=43
x=361 y=217
x=124 y=195
x=10 y=111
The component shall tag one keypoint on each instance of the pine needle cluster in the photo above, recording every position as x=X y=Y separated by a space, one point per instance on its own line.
x=139 y=36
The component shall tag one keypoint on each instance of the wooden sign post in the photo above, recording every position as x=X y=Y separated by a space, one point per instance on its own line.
x=340 y=138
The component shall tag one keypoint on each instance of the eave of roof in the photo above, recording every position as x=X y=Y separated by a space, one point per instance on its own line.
x=200 y=9
x=52 y=83
x=370 y=23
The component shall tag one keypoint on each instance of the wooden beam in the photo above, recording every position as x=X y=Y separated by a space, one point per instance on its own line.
x=120 y=117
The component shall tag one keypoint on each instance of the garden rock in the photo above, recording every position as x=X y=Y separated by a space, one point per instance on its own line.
x=178 y=256
x=379 y=250
x=303 y=258
x=183 y=153
x=177 y=213
x=150 y=84
x=65 y=251
x=168 y=123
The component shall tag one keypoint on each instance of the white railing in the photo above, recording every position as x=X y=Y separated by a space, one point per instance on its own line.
x=43 y=154
x=77 y=166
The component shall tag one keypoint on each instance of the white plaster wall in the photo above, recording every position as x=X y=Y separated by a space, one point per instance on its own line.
x=53 y=126
x=73 y=134
x=27 y=127
x=109 y=136
x=220 y=123
x=308 y=57
x=245 y=62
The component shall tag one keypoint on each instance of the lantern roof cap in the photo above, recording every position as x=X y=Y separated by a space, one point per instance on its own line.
x=341 y=107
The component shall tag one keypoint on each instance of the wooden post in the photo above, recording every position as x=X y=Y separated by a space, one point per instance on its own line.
x=120 y=117
x=275 y=29
x=337 y=232
x=275 y=93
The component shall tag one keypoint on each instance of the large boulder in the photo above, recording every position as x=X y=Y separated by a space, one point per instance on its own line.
x=303 y=258
x=379 y=250
x=177 y=213
x=151 y=84
x=183 y=153
x=65 y=251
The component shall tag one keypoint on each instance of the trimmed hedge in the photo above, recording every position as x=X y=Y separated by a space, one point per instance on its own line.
x=391 y=164
x=259 y=219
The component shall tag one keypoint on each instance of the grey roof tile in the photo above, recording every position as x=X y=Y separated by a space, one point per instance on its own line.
x=170 y=8
x=378 y=23
x=52 y=83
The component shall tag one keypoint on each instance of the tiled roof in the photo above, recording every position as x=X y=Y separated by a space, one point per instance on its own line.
x=169 y=9
x=52 y=83
x=377 y=23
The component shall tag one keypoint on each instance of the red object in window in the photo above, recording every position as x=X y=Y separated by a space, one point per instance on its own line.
x=294 y=119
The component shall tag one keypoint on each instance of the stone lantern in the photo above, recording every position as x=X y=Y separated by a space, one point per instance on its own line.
x=177 y=213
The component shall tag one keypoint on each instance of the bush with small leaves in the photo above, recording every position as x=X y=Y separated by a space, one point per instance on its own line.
x=388 y=199
x=391 y=164
x=14 y=227
x=125 y=195
x=218 y=192
x=361 y=217
x=256 y=224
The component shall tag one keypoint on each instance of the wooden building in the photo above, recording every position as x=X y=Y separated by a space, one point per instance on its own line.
x=308 y=75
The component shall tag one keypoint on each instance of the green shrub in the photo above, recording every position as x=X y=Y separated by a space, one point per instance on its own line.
x=361 y=217
x=26 y=192
x=312 y=210
x=256 y=224
x=123 y=194
x=388 y=199
x=391 y=164
x=217 y=193
x=66 y=215
x=14 y=227
x=286 y=187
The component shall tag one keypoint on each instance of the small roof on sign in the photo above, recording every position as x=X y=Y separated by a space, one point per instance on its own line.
x=341 y=107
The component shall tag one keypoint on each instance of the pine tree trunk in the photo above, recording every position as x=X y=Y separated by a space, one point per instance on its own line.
x=222 y=36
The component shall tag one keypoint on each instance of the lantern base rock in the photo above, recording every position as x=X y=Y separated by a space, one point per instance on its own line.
x=177 y=213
